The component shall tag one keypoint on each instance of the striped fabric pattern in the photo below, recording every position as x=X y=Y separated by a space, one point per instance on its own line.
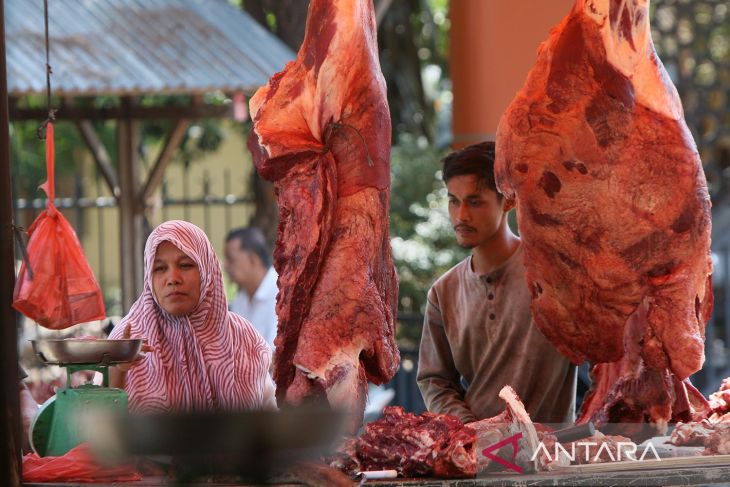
x=211 y=359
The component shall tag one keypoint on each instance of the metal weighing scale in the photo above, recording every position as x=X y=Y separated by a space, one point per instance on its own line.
x=61 y=422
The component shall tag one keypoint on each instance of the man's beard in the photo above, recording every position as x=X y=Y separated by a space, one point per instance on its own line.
x=465 y=245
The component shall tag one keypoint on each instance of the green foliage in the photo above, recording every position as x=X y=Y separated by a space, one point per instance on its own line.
x=28 y=156
x=271 y=21
x=423 y=242
x=200 y=138
x=424 y=247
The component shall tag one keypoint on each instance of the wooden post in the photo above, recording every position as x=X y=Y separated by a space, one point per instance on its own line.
x=101 y=156
x=493 y=46
x=9 y=397
x=131 y=209
x=154 y=178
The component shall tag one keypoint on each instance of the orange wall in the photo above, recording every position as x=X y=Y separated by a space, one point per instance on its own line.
x=493 y=46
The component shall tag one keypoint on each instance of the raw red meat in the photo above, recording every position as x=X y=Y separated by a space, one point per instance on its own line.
x=691 y=434
x=719 y=418
x=718 y=441
x=629 y=398
x=344 y=458
x=440 y=445
x=613 y=210
x=418 y=446
x=720 y=400
x=322 y=135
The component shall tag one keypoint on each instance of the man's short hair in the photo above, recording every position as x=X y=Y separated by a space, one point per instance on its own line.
x=477 y=160
x=252 y=240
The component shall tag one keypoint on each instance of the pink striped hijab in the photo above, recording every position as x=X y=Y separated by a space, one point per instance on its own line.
x=211 y=359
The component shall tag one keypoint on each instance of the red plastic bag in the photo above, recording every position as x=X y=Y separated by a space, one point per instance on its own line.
x=59 y=289
x=77 y=465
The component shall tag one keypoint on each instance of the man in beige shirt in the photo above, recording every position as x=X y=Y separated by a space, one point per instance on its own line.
x=478 y=334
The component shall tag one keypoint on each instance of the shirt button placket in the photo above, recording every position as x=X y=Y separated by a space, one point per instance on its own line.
x=490 y=295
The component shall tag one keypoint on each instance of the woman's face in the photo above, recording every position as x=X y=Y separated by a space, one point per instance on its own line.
x=175 y=280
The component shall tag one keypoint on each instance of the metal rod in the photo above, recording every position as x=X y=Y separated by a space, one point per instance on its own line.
x=79 y=213
x=9 y=402
x=111 y=202
x=101 y=230
x=186 y=191
x=206 y=207
x=227 y=192
x=164 y=198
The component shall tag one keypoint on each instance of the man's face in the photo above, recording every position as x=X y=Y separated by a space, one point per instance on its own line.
x=476 y=211
x=239 y=263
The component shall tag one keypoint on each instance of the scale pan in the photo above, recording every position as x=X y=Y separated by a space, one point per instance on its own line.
x=79 y=351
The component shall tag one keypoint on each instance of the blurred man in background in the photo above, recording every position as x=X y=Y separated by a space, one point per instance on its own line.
x=248 y=263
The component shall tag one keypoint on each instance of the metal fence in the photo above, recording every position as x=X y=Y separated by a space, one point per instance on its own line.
x=95 y=219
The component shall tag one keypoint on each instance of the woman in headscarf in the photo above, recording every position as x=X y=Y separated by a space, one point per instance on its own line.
x=199 y=356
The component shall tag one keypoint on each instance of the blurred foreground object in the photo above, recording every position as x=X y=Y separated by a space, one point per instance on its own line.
x=252 y=444
x=77 y=465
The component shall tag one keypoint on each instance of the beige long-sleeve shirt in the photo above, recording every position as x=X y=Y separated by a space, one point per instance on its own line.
x=478 y=336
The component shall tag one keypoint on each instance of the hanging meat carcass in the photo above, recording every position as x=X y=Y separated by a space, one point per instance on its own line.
x=322 y=135
x=614 y=213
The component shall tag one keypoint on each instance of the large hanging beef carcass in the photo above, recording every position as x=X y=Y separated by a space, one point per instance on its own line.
x=322 y=135
x=614 y=213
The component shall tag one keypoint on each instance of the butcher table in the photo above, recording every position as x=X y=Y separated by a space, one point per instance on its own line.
x=697 y=470
x=715 y=475
x=698 y=475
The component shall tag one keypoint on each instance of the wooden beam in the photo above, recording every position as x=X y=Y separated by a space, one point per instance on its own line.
x=101 y=156
x=9 y=377
x=154 y=179
x=130 y=209
x=194 y=112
